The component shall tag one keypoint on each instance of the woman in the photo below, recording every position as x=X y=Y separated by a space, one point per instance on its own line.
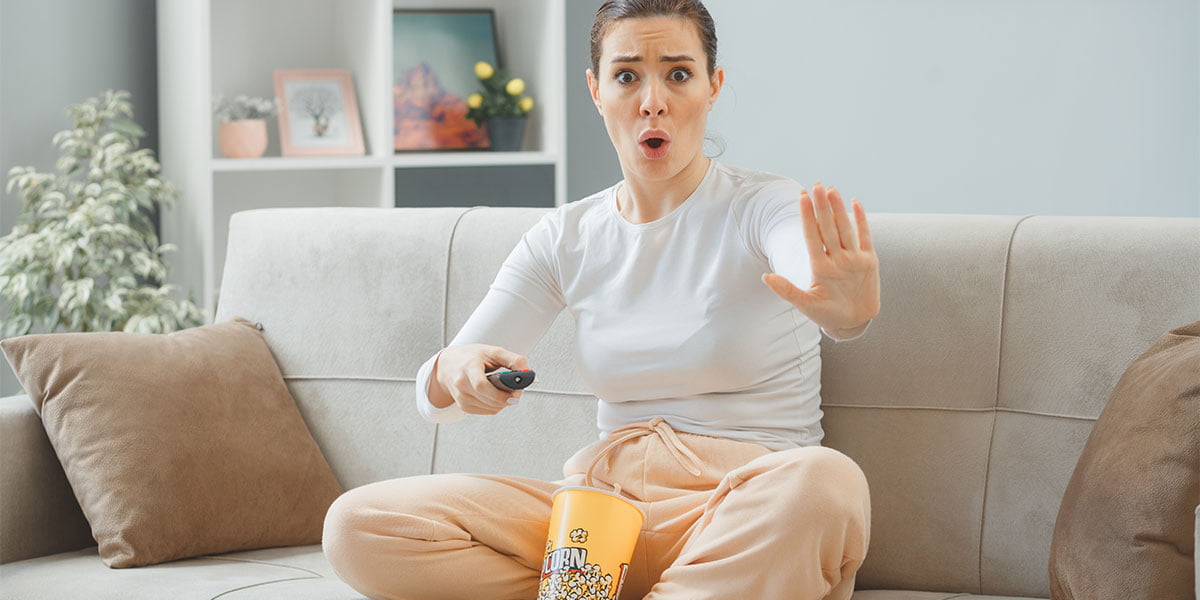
x=708 y=379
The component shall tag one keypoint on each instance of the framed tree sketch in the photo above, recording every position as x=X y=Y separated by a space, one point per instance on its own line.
x=434 y=56
x=318 y=113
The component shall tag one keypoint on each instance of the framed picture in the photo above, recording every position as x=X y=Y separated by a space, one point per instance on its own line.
x=318 y=113
x=435 y=52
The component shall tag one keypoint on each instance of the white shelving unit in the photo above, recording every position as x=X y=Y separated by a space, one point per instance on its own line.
x=230 y=47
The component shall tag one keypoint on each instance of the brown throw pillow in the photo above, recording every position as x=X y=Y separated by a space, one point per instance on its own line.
x=177 y=444
x=1125 y=527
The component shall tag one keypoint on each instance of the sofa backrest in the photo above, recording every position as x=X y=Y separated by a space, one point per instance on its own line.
x=966 y=404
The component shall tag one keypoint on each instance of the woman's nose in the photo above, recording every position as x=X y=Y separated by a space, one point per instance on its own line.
x=654 y=102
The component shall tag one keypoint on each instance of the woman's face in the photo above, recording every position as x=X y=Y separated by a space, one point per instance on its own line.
x=653 y=85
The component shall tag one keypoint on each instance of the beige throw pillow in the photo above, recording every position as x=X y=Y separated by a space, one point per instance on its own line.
x=1125 y=526
x=177 y=444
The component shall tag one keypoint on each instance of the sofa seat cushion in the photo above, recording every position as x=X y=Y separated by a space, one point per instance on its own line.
x=295 y=572
x=291 y=573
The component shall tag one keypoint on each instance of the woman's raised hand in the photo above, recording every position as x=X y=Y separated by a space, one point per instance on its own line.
x=844 y=295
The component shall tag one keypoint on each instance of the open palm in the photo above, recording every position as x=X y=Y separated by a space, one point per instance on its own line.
x=844 y=294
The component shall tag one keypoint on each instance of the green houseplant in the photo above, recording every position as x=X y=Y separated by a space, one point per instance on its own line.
x=84 y=254
x=500 y=106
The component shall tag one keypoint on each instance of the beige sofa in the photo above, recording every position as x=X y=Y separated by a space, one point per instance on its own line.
x=967 y=403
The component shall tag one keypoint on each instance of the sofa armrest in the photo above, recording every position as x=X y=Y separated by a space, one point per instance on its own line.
x=38 y=511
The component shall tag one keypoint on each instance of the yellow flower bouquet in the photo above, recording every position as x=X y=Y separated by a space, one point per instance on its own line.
x=500 y=97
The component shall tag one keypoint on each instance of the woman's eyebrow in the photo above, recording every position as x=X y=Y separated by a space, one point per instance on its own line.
x=638 y=58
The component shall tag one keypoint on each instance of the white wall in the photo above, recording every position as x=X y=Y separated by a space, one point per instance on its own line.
x=1062 y=107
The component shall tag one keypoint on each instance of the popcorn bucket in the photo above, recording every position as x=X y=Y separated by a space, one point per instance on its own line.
x=592 y=536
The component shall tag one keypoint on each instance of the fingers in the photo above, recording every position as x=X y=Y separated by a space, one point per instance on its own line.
x=513 y=361
x=488 y=396
x=824 y=209
x=827 y=226
x=812 y=233
x=864 y=232
x=460 y=389
x=510 y=359
x=842 y=218
x=483 y=392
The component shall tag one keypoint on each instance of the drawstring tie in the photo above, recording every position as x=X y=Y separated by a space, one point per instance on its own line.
x=687 y=459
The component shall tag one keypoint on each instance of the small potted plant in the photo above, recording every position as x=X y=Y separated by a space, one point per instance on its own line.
x=243 y=129
x=500 y=106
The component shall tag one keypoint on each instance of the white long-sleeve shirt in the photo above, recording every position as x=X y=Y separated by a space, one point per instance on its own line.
x=672 y=317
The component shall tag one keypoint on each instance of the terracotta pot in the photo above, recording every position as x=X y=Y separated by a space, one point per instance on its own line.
x=246 y=138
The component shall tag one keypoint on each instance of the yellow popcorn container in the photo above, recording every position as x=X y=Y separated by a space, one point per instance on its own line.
x=592 y=536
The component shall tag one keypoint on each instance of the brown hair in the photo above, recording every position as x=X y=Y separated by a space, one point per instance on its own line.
x=693 y=10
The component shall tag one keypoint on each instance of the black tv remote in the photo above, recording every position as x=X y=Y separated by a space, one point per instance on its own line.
x=511 y=381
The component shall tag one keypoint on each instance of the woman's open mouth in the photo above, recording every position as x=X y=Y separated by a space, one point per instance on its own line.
x=655 y=147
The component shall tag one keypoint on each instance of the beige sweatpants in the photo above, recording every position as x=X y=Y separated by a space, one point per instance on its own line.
x=724 y=519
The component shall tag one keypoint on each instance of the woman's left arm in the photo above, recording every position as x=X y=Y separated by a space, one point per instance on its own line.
x=844 y=295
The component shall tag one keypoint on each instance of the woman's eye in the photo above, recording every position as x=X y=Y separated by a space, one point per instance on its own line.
x=681 y=75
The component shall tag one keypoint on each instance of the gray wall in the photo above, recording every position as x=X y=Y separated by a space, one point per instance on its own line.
x=591 y=160
x=54 y=53
x=1063 y=107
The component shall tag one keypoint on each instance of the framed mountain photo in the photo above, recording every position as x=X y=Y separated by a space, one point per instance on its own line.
x=435 y=52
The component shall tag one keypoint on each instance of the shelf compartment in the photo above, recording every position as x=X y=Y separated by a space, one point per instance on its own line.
x=505 y=185
x=251 y=39
x=530 y=35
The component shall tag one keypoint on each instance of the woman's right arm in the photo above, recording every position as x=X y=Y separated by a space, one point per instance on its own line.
x=520 y=306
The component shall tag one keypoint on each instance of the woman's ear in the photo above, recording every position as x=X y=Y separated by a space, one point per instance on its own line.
x=594 y=87
x=718 y=81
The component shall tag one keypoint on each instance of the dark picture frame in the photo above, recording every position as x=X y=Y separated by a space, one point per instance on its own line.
x=434 y=53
